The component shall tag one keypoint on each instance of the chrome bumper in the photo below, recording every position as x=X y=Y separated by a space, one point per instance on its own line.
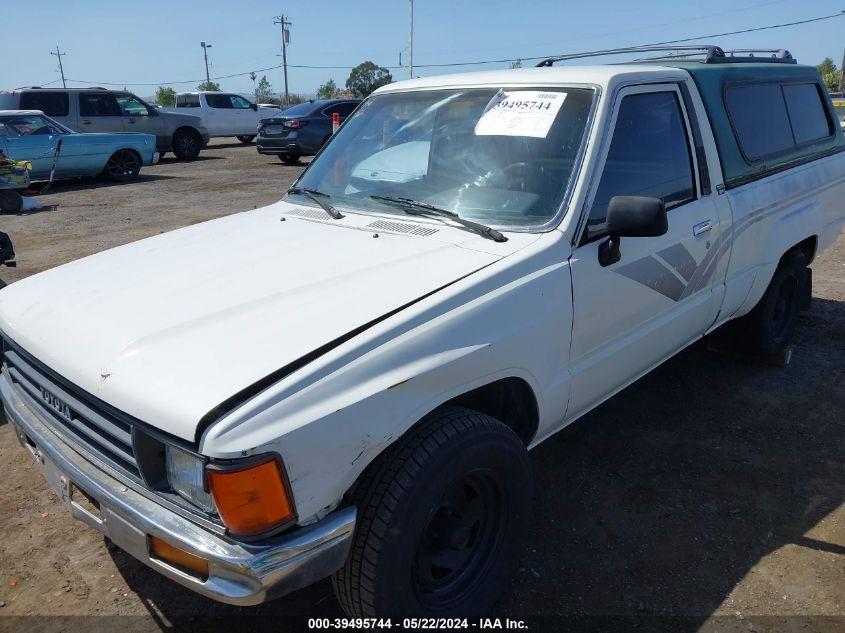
x=239 y=573
x=156 y=158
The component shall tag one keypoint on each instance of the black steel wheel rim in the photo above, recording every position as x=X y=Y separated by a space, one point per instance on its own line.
x=124 y=164
x=187 y=144
x=783 y=307
x=460 y=540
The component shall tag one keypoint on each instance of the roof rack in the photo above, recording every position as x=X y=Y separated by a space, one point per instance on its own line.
x=705 y=53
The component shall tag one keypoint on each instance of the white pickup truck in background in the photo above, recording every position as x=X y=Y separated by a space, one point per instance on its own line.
x=331 y=404
x=224 y=113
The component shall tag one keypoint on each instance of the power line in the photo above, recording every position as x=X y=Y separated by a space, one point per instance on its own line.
x=472 y=63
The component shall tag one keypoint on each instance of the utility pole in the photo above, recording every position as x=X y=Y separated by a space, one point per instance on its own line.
x=205 y=48
x=411 y=41
x=283 y=21
x=842 y=74
x=254 y=89
x=59 y=54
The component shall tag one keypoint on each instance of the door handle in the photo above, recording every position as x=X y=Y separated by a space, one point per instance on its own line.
x=131 y=121
x=86 y=122
x=702 y=227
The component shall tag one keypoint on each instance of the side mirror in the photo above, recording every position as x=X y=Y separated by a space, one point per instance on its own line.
x=254 y=106
x=631 y=216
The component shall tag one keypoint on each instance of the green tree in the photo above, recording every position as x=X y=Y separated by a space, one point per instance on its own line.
x=327 y=90
x=517 y=63
x=294 y=98
x=212 y=86
x=830 y=74
x=165 y=96
x=264 y=90
x=366 y=77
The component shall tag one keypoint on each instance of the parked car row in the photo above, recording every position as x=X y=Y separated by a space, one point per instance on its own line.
x=47 y=145
x=112 y=111
x=35 y=119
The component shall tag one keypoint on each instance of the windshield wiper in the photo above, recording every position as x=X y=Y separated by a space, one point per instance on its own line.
x=414 y=207
x=317 y=196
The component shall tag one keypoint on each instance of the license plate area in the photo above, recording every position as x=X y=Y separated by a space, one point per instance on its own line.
x=83 y=502
x=273 y=129
x=80 y=504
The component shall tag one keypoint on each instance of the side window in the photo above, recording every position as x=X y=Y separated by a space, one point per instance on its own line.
x=344 y=109
x=218 y=101
x=761 y=123
x=50 y=103
x=130 y=105
x=98 y=104
x=649 y=155
x=807 y=113
x=239 y=103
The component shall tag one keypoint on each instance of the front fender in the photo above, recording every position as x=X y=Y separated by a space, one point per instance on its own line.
x=330 y=421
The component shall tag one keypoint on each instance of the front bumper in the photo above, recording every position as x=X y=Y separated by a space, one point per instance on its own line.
x=239 y=573
x=156 y=158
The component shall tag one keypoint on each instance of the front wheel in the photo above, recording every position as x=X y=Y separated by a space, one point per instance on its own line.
x=246 y=140
x=769 y=327
x=443 y=517
x=123 y=165
x=186 y=144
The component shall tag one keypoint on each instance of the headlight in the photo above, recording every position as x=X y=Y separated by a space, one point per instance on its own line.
x=185 y=476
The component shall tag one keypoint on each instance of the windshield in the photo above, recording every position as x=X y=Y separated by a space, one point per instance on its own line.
x=12 y=126
x=500 y=157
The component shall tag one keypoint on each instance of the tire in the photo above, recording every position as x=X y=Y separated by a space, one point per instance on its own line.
x=10 y=201
x=124 y=165
x=442 y=520
x=769 y=327
x=246 y=140
x=186 y=144
x=289 y=159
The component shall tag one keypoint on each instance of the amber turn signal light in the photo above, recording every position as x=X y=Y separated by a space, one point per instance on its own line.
x=178 y=558
x=251 y=498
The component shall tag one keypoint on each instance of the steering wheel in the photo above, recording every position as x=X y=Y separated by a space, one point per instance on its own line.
x=508 y=174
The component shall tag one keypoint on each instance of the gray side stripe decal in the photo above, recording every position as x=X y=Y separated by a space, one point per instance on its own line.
x=678 y=257
x=651 y=273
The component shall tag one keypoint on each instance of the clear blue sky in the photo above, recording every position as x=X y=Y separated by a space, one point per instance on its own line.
x=155 y=41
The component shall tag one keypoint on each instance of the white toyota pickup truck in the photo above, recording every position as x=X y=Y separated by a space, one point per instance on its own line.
x=346 y=383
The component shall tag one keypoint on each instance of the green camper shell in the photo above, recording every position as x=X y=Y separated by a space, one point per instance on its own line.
x=715 y=82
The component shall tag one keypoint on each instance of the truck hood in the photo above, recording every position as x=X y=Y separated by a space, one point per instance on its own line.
x=167 y=328
x=187 y=119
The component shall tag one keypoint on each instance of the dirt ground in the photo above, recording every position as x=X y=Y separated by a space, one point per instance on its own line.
x=709 y=496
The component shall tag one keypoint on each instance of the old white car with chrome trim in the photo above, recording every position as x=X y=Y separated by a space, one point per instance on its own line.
x=469 y=265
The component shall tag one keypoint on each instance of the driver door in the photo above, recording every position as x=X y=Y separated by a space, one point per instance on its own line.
x=665 y=291
x=137 y=116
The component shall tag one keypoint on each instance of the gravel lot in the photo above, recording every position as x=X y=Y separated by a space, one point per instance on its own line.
x=711 y=491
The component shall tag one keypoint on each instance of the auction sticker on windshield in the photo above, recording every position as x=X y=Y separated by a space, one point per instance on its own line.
x=520 y=113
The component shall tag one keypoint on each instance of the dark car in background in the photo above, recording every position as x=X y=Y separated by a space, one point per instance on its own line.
x=301 y=130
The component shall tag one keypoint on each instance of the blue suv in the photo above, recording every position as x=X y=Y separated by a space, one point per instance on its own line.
x=301 y=130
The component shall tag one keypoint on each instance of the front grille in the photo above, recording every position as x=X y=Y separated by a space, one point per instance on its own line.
x=71 y=413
